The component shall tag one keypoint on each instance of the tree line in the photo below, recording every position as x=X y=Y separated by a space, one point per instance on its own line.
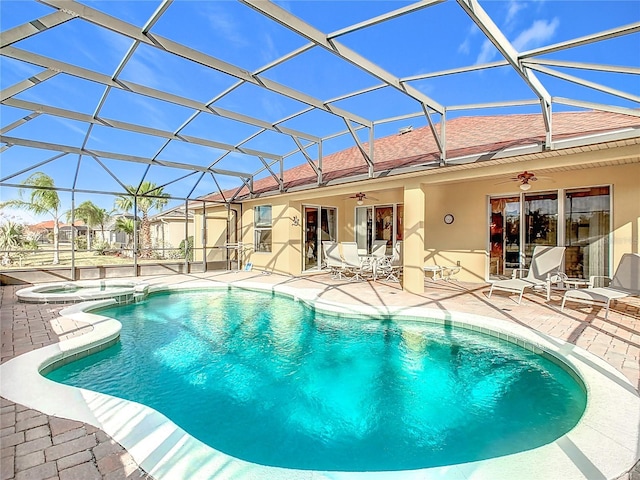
x=41 y=198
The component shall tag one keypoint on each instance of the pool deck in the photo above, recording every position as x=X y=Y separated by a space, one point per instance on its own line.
x=37 y=446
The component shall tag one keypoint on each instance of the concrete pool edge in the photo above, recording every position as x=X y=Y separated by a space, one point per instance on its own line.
x=603 y=445
x=93 y=290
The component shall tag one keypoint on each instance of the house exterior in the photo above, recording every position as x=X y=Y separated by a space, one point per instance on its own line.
x=43 y=231
x=501 y=190
x=169 y=229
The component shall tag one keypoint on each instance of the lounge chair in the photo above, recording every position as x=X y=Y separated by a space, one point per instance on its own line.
x=352 y=261
x=625 y=283
x=544 y=270
x=333 y=260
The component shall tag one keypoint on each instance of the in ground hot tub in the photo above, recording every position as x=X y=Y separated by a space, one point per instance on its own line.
x=82 y=291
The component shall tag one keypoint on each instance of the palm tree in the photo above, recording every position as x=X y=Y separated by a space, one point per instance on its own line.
x=157 y=199
x=11 y=238
x=125 y=225
x=43 y=200
x=92 y=216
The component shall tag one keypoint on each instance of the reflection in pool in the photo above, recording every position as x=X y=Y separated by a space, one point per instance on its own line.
x=266 y=379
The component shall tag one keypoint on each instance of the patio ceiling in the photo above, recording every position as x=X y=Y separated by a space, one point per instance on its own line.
x=202 y=97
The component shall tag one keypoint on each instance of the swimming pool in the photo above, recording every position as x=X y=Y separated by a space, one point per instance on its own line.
x=602 y=445
x=267 y=379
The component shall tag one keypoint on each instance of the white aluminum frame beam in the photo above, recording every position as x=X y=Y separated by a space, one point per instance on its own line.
x=34 y=27
x=495 y=35
x=115 y=156
x=585 y=83
x=581 y=65
x=26 y=84
x=295 y=24
x=384 y=17
x=96 y=77
x=131 y=31
x=130 y=127
x=577 y=42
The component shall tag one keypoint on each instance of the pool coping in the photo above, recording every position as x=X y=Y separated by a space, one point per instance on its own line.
x=604 y=444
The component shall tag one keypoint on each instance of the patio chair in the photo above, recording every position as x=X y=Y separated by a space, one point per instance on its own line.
x=625 y=283
x=353 y=263
x=379 y=248
x=544 y=270
x=391 y=267
x=333 y=260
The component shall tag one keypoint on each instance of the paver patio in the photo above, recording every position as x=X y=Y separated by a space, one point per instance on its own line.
x=38 y=446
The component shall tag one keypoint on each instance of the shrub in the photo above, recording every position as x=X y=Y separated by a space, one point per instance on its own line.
x=186 y=251
x=81 y=243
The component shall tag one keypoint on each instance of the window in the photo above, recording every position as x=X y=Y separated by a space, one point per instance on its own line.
x=262 y=226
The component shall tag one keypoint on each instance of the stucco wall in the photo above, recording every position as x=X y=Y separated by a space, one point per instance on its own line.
x=466 y=240
x=463 y=193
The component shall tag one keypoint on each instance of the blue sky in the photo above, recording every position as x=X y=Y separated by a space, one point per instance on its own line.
x=433 y=39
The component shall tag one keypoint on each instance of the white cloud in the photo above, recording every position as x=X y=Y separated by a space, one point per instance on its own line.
x=269 y=51
x=540 y=32
x=513 y=8
x=487 y=52
x=465 y=47
x=71 y=125
x=226 y=27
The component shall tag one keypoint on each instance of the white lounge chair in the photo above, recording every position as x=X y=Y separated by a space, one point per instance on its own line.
x=352 y=261
x=625 y=283
x=544 y=270
x=333 y=260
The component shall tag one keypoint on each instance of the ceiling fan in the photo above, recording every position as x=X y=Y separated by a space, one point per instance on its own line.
x=361 y=196
x=525 y=178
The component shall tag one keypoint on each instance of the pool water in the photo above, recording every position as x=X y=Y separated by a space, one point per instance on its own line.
x=266 y=379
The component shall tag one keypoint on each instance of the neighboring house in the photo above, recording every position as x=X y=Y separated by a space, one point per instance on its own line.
x=479 y=206
x=110 y=235
x=168 y=229
x=44 y=231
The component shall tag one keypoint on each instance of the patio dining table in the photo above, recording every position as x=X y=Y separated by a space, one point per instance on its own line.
x=374 y=261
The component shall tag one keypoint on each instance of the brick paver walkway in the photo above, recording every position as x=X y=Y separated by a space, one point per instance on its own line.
x=37 y=446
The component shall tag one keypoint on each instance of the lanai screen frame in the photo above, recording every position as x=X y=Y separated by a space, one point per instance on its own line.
x=525 y=64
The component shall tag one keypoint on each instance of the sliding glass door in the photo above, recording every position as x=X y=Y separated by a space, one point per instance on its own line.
x=320 y=223
x=504 y=232
x=541 y=222
x=383 y=222
x=587 y=225
x=584 y=231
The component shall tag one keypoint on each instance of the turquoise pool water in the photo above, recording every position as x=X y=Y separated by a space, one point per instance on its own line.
x=266 y=379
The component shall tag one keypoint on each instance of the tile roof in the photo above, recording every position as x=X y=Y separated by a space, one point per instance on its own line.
x=48 y=225
x=464 y=136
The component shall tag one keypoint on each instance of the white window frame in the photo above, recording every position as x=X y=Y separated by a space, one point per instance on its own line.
x=259 y=226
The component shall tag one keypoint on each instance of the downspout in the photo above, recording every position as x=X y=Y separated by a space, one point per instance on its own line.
x=73 y=235
x=135 y=235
